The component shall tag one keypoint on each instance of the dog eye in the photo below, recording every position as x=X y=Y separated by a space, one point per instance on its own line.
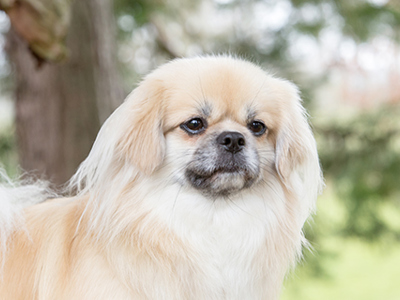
x=257 y=128
x=194 y=126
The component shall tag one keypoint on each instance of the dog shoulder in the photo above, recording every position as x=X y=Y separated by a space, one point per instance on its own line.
x=38 y=253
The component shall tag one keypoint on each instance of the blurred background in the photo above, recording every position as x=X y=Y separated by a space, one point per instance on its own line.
x=66 y=65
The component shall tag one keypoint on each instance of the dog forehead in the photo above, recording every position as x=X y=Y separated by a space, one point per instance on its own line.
x=212 y=86
x=221 y=87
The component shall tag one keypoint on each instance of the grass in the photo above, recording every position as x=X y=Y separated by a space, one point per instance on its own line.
x=360 y=271
x=353 y=269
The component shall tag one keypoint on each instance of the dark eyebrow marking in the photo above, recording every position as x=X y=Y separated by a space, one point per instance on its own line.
x=206 y=108
x=251 y=113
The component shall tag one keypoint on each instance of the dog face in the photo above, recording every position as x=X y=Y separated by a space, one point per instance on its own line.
x=221 y=131
x=218 y=125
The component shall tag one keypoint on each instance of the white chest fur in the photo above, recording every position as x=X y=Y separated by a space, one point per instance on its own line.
x=231 y=239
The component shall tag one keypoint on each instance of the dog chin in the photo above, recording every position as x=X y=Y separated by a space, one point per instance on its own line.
x=221 y=182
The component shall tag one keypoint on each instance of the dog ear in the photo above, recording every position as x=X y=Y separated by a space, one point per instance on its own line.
x=295 y=148
x=142 y=138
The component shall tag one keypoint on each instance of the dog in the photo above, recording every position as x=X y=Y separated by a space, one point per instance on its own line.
x=197 y=187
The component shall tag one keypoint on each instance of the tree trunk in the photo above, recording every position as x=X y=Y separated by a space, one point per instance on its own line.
x=59 y=107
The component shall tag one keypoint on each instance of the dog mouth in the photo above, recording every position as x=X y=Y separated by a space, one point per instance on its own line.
x=221 y=180
x=226 y=169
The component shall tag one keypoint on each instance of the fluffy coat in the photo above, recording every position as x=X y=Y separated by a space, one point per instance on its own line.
x=136 y=229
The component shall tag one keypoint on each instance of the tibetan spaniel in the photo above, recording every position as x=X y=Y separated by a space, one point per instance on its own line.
x=197 y=187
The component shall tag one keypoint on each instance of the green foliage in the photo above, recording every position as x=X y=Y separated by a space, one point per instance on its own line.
x=8 y=151
x=362 y=158
x=141 y=10
x=362 y=19
x=358 y=19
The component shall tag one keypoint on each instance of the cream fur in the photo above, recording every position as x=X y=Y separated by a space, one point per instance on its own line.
x=136 y=230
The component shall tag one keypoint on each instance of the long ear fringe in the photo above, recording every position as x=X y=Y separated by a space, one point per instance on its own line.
x=133 y=131
x=297 y=160
x=129 y=145
x=104 y=173
x=96 y=168
x=310 y=170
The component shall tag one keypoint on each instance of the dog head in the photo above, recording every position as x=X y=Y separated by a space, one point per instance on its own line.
x=218 y=125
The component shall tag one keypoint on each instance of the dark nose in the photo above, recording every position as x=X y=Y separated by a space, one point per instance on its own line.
x=231 y=141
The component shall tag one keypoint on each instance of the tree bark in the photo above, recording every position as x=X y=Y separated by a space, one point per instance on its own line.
x=59 y=107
